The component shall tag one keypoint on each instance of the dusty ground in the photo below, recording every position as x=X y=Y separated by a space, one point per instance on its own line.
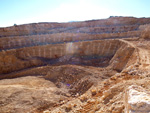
x=38 y=93
x=69 y=88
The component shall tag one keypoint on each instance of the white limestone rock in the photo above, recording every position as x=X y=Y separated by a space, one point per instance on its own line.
x=137 y=100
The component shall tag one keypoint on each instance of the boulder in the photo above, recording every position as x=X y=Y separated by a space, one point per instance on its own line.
x=137 y=100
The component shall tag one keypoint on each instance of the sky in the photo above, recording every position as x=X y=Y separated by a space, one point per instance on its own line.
x=34 y=11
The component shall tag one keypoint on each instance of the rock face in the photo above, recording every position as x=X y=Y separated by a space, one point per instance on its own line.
x=110 y=25
x=83 y=42
x=137 y=100
x=95 y=53
x=78 y=67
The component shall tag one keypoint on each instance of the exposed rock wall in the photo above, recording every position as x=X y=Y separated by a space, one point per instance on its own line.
x=30 y=45
x=17 y=59
x=107 y=25
x=35 y=40
x=117 y=51
x=123 y=56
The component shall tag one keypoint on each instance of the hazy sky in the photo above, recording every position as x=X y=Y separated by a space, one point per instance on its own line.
x=31 y=11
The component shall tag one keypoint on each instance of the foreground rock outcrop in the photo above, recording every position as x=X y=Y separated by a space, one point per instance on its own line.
x=137 y=100
x=97 y=66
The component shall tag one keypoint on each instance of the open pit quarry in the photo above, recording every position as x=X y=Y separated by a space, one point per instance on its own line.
x=96 y=66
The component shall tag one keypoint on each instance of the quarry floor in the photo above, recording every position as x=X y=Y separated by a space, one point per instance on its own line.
x=83 y=89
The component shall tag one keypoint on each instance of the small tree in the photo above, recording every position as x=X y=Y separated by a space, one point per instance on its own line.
x=15 y=24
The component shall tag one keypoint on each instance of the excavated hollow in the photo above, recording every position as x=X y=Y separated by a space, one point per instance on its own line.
x=100 y=53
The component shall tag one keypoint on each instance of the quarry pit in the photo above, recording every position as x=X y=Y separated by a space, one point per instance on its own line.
x=78 y=67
